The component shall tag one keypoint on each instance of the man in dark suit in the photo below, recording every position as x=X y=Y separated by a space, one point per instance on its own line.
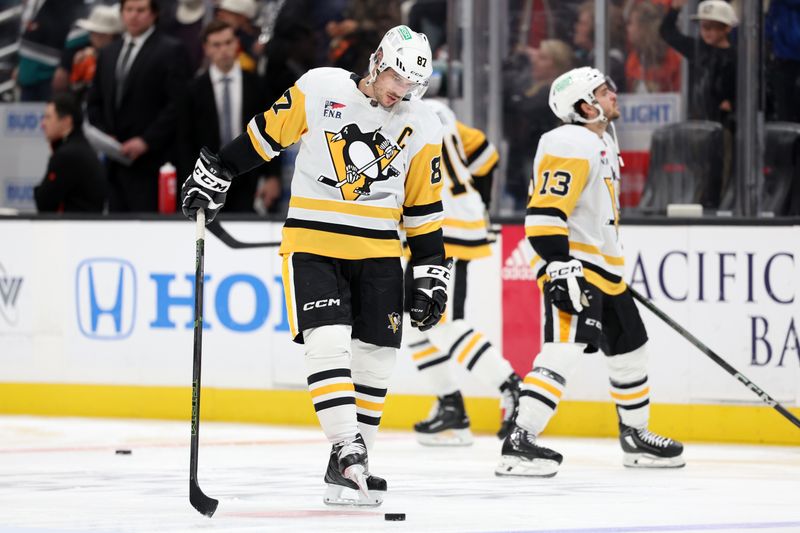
x=74 y=181
x=133 y=98
x=217 y=107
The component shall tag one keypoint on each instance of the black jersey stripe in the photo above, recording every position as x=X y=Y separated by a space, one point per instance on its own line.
x=342 y=229
x=478 y=152
x=422 y=210
x=261 y=123
x=547 y=211
x=466 y=242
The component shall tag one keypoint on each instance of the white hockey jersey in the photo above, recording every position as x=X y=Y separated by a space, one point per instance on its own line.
x=359 y=170
x=465 y=153
x=575 y=192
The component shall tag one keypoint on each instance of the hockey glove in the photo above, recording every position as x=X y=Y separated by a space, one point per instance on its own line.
x=567 y=286
x=429 y=294
x=207 y=187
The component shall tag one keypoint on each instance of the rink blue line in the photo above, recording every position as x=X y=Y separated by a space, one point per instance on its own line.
x=678 y=527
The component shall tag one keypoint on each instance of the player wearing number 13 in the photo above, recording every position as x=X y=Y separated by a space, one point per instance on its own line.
x=369 y=156
x=572 y=223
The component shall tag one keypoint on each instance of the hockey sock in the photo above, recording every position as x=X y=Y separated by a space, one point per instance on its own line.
x=372 y=368
x=630 y=390
x=330 y=380
x=543 y=387
x=488 y=365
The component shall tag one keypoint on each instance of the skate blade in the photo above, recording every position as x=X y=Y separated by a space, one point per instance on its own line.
x=448 y=437
x=644 y=460
x=511 y=465
x=339 y=495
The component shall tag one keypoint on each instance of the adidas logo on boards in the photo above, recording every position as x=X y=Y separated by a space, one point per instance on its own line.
x=517 y=265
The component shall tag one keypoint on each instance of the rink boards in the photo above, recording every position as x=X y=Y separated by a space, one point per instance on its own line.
x=96 y=320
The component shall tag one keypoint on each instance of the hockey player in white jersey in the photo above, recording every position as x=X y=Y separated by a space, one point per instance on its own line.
x=572 y=222
x=468 y=162
x=370 y=154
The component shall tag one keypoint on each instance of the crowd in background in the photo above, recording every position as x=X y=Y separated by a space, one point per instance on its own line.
x=164 y=107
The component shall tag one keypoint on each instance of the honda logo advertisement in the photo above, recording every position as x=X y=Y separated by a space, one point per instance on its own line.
x=105 y=290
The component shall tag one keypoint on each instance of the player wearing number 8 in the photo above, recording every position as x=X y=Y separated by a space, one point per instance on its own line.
x=572 y=223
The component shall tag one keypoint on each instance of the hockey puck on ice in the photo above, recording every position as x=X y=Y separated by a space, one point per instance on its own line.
x=395 y=517
x=123 y=452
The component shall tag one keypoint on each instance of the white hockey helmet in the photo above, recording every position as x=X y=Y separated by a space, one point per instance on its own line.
x=574 y=86
x=407 y=53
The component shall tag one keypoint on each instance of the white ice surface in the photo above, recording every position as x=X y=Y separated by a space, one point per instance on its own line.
x=59 y=474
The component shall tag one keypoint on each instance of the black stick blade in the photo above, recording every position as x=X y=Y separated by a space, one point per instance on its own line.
x=204 y=505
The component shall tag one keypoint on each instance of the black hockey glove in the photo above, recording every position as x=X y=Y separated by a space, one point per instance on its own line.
x=207 y=187
x=567 y=286
x=429 y=294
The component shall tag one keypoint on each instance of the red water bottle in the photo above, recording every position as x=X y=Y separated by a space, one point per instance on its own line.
x=167 y=188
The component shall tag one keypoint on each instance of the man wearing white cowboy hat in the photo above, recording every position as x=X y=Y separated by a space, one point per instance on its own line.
x=77 y=65
x=240 y=14
x=712 y=59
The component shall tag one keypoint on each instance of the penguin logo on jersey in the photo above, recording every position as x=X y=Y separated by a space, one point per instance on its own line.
x=394 y=322
x=359 y=159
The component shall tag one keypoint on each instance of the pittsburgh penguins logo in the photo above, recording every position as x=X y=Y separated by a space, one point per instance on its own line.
x=395 y=322
x=359 y=159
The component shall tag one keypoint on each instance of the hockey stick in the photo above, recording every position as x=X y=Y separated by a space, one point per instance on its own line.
x=219 y=232
x=766 y=398
x=339 y=184
x=199 y=501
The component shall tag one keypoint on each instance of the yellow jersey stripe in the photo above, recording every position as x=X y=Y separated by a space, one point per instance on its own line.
x=428 y=227
x=337 y=245
x=542 y=231
x=347 y=208
x=589 y=249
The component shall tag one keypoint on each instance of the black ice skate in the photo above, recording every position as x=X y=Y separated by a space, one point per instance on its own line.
x=348 y=478
x=644 y=449
x=521 y=456
x=509 y=404
x=447 y=424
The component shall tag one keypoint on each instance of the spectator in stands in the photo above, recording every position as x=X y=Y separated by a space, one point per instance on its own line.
x=583 y=40
x=133 y=98
x=240 y=14
x=46 y=24
x=187 y=26
x=217 y=106
x=712 y=59
x=76 y=70
x=527 y=114
x=355 y=37
x=74 y=180
x=782 y=27
x=651 y=67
